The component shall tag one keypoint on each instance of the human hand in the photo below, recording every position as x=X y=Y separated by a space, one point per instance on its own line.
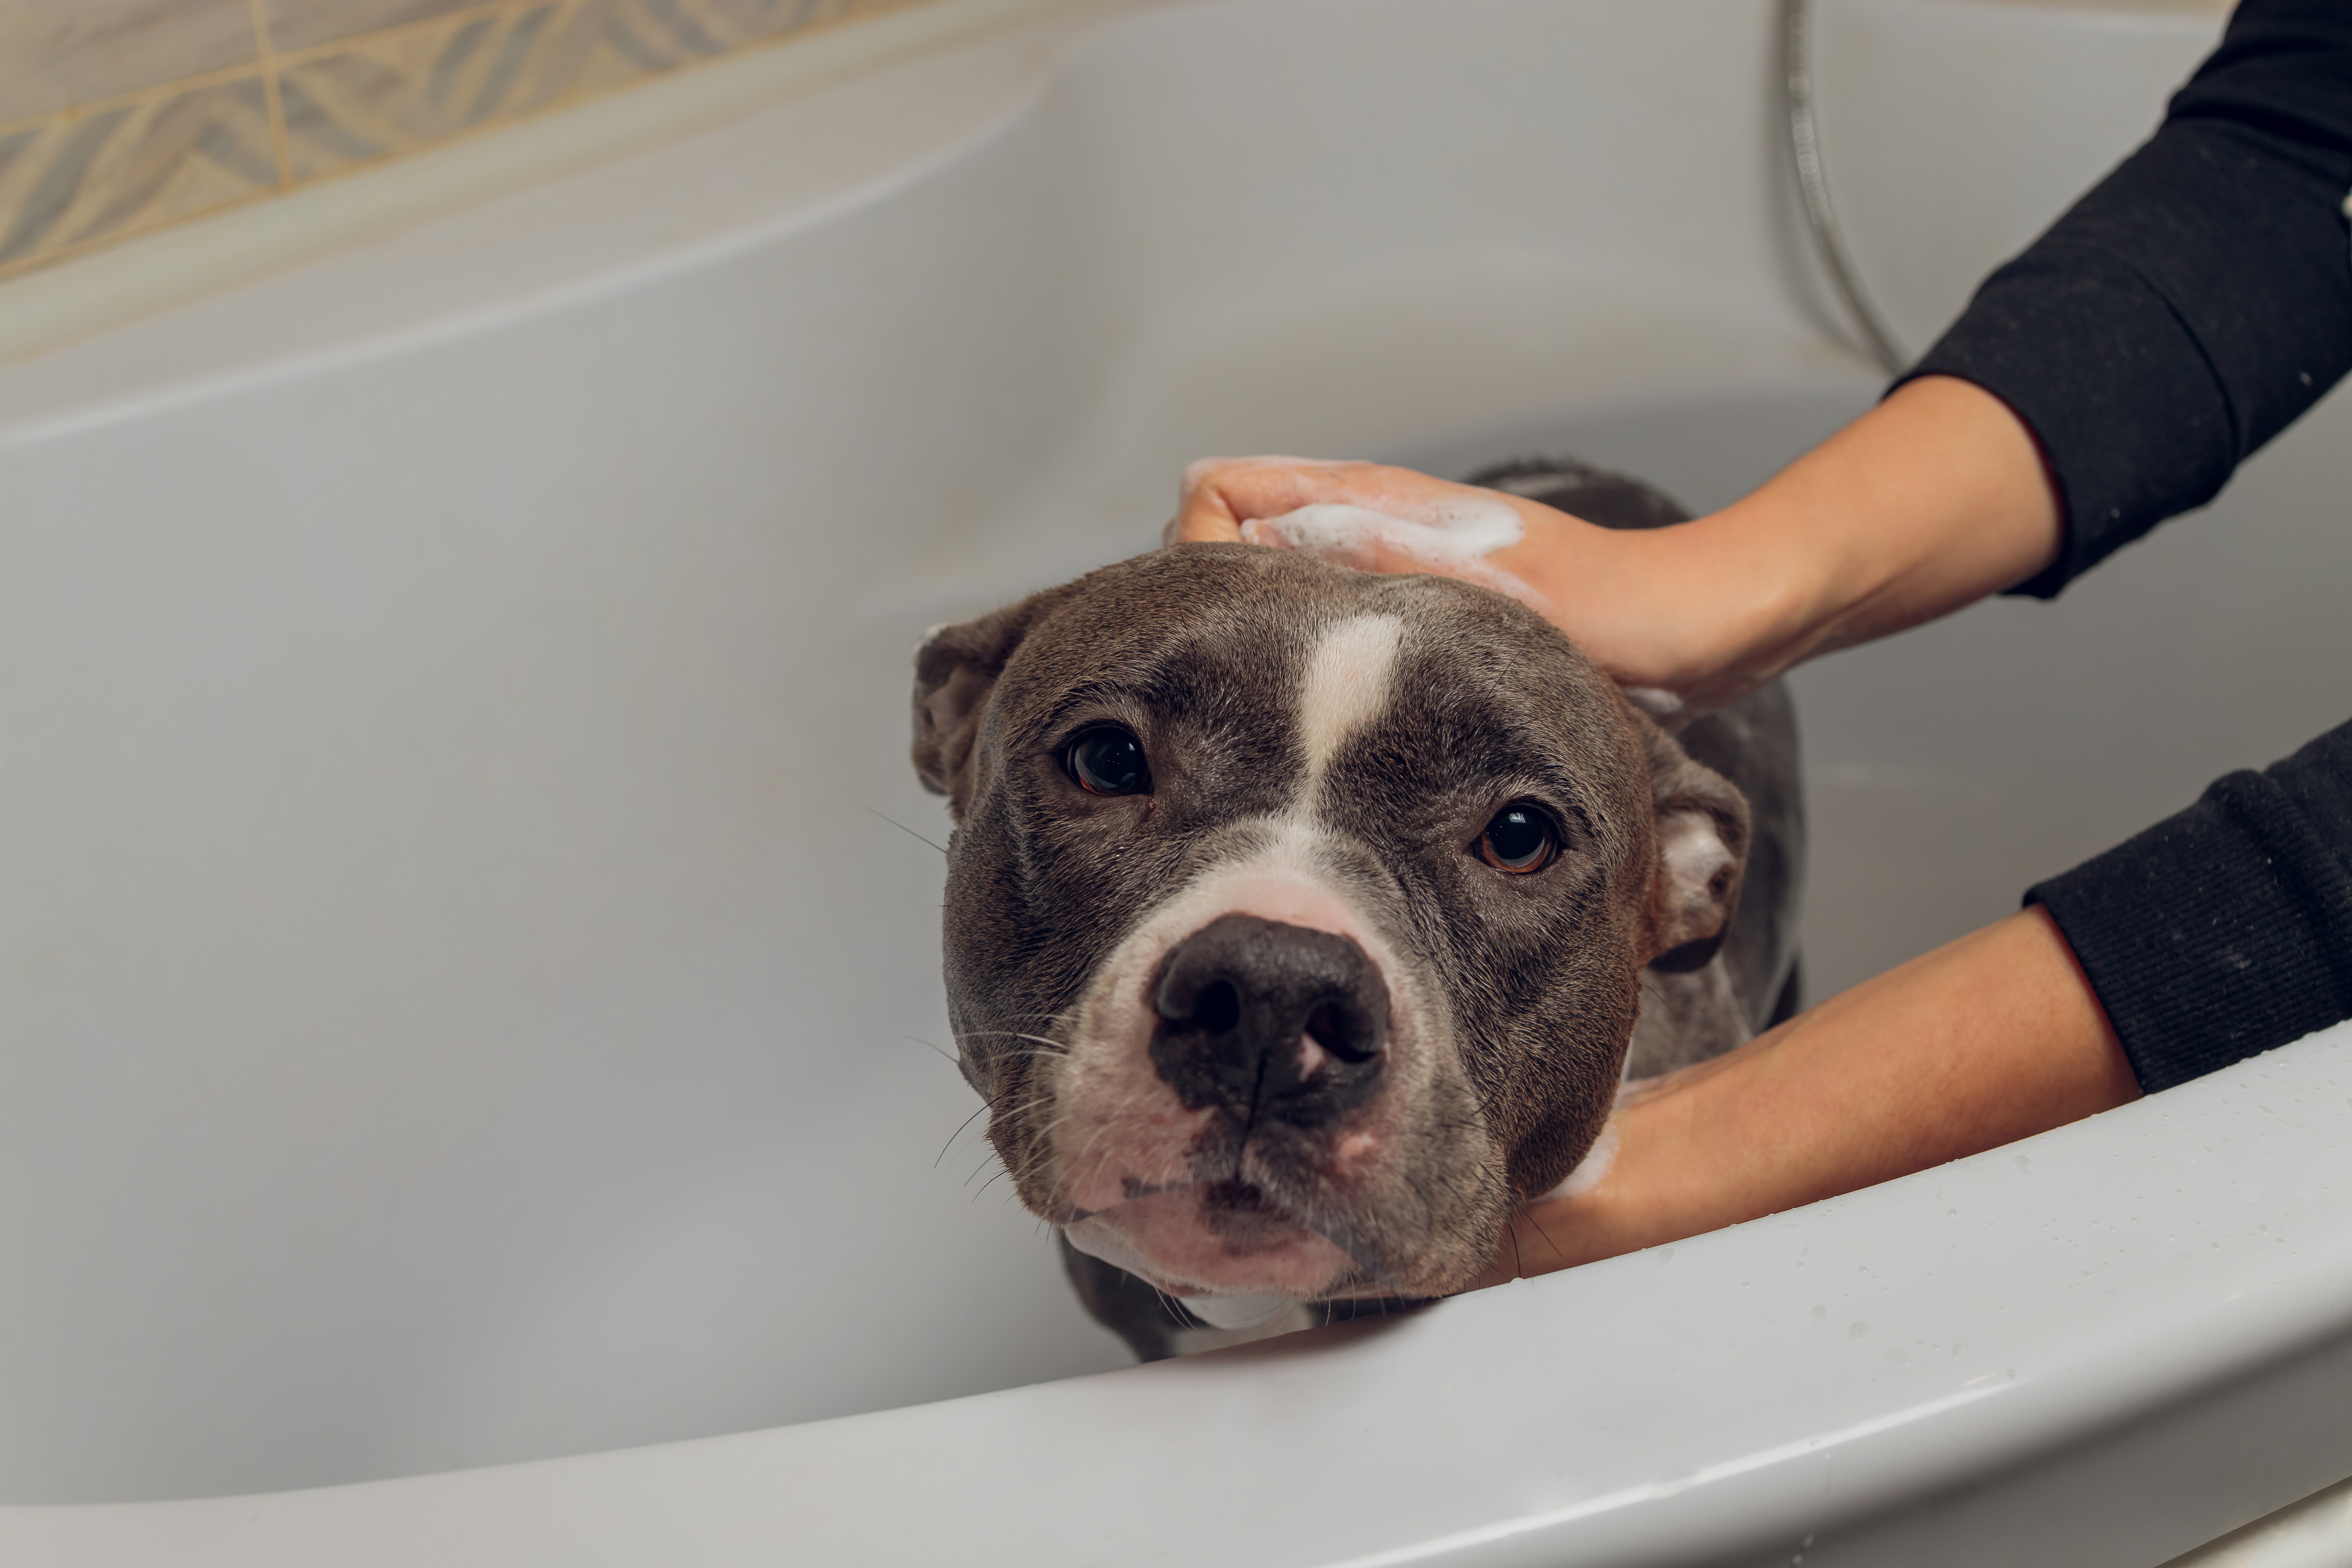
x=1621 y=595
x=1934 y=498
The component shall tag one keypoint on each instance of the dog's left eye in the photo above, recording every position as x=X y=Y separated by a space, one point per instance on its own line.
x=1519 y=840
x=1108 y=762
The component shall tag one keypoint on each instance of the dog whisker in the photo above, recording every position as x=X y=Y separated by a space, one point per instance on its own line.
x=1012 y=1110
x=909 y=832
x=918 y=1039
x=1174 y=1308
x=956 y=1134
x=1540 y=1231
x=1057 y=1047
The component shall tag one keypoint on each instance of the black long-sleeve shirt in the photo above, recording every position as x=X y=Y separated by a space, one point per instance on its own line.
x=2177 y=316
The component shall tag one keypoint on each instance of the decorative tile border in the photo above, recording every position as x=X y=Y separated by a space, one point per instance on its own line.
x=98 y=171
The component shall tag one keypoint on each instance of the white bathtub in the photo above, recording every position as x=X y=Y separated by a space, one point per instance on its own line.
x=461 y=1005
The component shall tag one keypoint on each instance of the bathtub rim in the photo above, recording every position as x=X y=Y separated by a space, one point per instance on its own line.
x=613 y=1507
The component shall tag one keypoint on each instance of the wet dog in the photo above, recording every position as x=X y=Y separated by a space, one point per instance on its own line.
x=1302 y=924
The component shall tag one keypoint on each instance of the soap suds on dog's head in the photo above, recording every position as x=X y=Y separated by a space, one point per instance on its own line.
x=1453 y=536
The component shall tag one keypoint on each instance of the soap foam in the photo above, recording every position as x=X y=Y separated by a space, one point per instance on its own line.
x=1452 y=535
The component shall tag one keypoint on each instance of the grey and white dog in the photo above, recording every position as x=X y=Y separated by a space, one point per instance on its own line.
x=1302 y=924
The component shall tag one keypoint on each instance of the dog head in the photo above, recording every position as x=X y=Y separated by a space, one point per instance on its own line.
x=1296 y=916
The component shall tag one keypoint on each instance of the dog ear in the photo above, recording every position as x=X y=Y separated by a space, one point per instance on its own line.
x=956 y=667
x=1702 y=850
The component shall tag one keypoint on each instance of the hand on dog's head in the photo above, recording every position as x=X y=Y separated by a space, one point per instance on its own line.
x=1296 y=916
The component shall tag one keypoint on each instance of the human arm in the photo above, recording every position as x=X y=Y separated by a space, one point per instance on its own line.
x=1986 y=1040
x=1929 y=501
x=2188 y=309
x=2224 y=930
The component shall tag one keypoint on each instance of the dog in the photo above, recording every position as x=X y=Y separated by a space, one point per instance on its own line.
x=1301 y=923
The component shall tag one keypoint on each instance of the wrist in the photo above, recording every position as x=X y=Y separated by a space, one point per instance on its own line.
x=1630 y=1193
x=1934 y=498
x=1772 y=594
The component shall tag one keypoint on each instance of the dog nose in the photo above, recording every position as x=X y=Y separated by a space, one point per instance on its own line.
x=1268 y=1019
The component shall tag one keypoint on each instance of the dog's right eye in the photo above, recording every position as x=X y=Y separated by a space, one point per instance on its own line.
x=1108 y=762
x=1519 y=840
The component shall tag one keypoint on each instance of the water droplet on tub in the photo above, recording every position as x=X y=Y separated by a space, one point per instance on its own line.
x=1859 y=1331
x=2024 y=1165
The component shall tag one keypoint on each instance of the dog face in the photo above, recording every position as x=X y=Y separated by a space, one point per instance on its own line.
x=1296 y=916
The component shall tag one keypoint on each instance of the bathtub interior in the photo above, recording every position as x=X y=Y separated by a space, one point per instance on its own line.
x=473 y=956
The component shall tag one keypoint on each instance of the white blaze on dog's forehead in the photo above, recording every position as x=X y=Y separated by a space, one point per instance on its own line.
x=1346 y=683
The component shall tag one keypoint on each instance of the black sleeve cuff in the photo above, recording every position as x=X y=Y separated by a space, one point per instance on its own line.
x=2195 y=302
x=2087 y=354
x=2226 y=930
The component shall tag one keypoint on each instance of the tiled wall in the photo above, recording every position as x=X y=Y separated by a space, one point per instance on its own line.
x=119 y=116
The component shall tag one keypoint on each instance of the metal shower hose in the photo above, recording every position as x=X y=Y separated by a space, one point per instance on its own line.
x=1805 y=151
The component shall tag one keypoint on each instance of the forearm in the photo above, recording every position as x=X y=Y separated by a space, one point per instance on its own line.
x=1932 y=500
x=1990 y=1040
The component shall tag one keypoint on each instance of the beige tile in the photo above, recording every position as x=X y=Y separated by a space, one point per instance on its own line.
x=304 y=24
x=392 y=93
x=71 y=180
x=54 y=54
x=97 y=176
x=751 y=21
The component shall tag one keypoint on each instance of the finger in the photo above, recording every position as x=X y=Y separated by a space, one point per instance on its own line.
x=1203 y=516
x=1221 y=493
